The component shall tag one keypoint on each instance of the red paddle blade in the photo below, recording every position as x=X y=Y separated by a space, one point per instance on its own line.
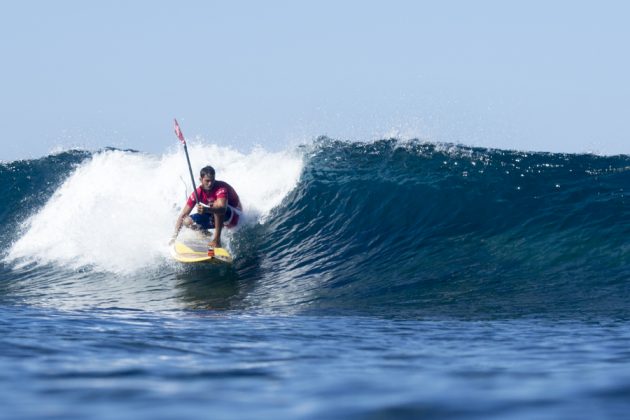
x=179 y=134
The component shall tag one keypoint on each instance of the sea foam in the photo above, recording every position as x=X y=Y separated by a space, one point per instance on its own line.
x=117 y=210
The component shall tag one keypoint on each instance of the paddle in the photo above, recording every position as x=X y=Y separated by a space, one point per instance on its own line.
x=180 y=136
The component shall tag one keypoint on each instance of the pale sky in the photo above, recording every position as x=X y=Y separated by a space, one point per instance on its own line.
x=527 y=75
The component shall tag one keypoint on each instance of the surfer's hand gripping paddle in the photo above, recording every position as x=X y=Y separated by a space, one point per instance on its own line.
x=201 y=208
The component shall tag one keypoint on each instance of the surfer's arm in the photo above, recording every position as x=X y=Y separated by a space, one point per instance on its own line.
x=217 y=207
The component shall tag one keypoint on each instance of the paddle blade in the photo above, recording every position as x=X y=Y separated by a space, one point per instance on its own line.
x=178 y=133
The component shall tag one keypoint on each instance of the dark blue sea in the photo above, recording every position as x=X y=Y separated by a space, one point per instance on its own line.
x=390 y=279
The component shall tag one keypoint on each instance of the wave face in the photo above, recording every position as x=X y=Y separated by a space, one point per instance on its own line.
x=25 y=184
x=381 y=227
x=393 y=225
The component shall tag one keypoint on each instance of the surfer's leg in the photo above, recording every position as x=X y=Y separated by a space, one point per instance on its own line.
x=200 y=221
x=218 y=226
x=189 y=222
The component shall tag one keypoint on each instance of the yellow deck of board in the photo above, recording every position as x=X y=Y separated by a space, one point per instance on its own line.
x=198 y=253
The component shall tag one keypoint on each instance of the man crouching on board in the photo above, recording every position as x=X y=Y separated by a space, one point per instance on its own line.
x=218 y=206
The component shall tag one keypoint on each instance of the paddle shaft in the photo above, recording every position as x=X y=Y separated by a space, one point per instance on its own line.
x=192 y=177
x=180 y=136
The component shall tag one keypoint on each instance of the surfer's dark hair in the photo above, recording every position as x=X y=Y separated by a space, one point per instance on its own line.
x=208 y=170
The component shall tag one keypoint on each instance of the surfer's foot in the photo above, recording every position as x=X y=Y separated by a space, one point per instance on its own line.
x=215 y=243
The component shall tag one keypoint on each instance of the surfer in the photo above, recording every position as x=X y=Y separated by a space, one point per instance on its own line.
x=218 y=206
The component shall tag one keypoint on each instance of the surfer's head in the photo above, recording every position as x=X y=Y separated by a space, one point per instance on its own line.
x=207 y=171
x=206 y=176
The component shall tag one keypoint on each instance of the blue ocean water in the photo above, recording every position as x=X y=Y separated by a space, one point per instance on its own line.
x=372 y=280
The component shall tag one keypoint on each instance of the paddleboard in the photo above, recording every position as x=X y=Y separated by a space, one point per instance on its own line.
x=196 y=250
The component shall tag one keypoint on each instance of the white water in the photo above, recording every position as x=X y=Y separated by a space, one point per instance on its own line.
x=117 y=211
